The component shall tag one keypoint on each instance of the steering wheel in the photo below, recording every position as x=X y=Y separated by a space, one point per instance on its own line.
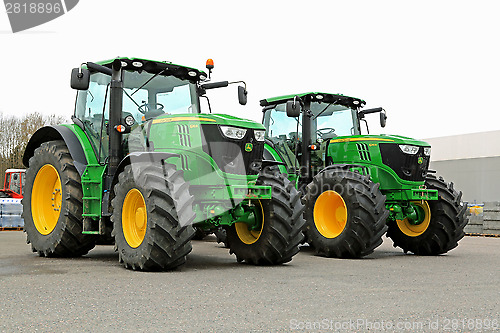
x=146 y=107
x=325 y=131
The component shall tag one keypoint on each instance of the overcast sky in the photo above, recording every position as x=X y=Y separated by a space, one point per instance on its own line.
x=433 y=65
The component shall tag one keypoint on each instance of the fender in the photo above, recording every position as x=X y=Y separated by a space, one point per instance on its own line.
x=136 y=157
x=57 y=132
x=141 y=157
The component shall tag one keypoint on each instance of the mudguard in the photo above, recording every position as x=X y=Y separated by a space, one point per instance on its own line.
x=141 y=157
x=57 y=132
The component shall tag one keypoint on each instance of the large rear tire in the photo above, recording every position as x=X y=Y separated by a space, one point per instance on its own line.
x=53 y=204
x=442 y=227
x=345 y=214
x=152 y=217
x=277 y=239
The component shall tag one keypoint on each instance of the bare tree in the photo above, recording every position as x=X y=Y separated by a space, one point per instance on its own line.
x=15 y=133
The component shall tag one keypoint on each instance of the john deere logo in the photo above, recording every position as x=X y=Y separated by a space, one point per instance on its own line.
x=420 y=160
x=24 y=14
x=248 y=147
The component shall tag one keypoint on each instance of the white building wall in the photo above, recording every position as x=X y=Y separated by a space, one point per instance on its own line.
x=471 y=162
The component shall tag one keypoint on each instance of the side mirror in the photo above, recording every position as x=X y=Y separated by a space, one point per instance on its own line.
x=292 y=109
x=80 y=79
x=242 y=95
x=383 y=119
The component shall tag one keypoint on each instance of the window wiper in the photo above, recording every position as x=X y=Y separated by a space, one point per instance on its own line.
x=129 y=96
x=147 y=82
x=319 y=114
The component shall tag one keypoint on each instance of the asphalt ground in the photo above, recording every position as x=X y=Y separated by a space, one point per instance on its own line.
x=384 y=292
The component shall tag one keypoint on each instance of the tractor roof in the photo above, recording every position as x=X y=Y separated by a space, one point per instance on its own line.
x=155 y=67
x=15 y=170
x=340 y=99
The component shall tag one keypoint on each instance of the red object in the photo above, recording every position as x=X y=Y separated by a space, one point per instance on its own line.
x=13 y=185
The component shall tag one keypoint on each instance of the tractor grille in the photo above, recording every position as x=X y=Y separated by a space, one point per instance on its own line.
x=230 y=155
x=364 y=153
x=183 y=133
x=407 y=167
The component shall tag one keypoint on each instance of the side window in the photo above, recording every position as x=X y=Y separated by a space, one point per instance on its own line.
x=92 y=108
x=23 y=178
x=7 y=181
x=15 y=184
x=283 y=127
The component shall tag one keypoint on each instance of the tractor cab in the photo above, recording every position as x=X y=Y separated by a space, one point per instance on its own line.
x=150 y=89
x=328 y=116
x=14 y=183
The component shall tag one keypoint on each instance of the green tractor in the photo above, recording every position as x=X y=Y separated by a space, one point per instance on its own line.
x=358 y=187
x=141 y=166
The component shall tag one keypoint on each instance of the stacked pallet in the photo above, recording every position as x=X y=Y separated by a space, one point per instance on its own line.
x=491 y=212
x=475 y=224
x=11 y=214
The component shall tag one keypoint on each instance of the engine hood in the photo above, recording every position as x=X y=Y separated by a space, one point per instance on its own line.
x=219 y=119
x=398 y=139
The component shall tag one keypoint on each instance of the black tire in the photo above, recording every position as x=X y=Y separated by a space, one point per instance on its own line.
x=446 y=227
x=168 y=226
x=66 y=238
x=283 y=221
x=365 y=219
x=221 y=236
x=200 y=234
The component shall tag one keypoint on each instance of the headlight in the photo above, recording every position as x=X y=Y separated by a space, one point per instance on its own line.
x=233 y=132
x=407 y=149
x=427 y=151
x=259 y=135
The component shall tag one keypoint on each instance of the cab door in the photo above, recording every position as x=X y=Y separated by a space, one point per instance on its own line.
x=92 y=108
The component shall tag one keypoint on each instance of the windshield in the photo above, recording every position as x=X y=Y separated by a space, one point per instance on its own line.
x=148 y=94
x=327 y=121
x=330 y=120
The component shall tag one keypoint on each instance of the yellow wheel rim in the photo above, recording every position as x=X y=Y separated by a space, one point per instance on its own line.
x=414 y=230
x=46 y=199
x=134 y=218
x=246 y=235
x=330 y=214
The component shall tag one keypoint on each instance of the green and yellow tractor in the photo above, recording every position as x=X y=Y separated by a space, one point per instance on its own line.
x=141 y=165
x=358 y=187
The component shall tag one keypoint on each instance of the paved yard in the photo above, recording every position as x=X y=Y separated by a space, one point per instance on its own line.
x=386 y=291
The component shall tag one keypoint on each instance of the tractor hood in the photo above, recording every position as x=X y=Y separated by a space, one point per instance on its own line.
x=219 y=119
x=398 y=139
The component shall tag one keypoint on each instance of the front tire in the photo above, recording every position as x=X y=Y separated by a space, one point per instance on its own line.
x=277 y=239
x=152 y=217
x=53 y=204
x=443 y=225
x=345 y=214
